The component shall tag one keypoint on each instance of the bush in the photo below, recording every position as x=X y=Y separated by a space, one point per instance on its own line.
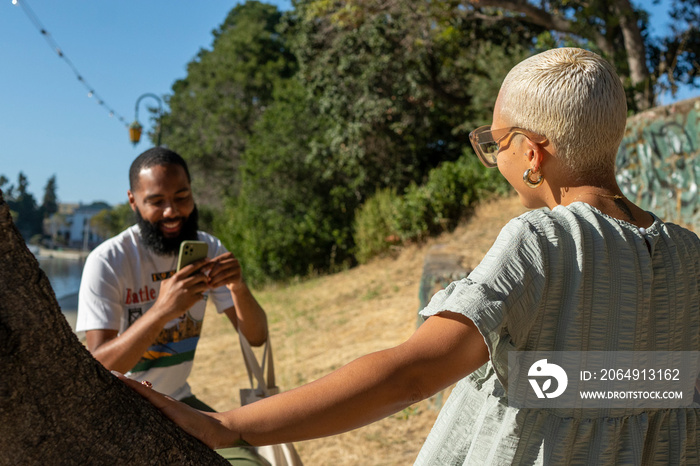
x=274 y=243
x=438 y=205
x=376 y=220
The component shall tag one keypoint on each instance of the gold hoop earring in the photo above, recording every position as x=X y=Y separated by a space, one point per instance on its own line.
x=529 y=181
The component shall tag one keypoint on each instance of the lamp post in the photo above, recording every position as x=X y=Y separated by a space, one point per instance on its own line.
x=135 y=127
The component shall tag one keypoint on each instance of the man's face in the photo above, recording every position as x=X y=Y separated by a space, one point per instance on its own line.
x=163 y=203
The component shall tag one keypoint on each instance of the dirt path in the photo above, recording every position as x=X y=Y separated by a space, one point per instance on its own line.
x=320 y=324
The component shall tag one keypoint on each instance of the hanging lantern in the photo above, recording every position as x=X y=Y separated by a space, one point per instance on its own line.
x=135 y=132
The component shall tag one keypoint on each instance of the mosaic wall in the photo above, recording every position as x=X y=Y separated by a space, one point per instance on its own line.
x=658 y=163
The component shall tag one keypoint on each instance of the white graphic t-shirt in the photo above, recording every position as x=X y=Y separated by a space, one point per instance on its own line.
x=121 y=281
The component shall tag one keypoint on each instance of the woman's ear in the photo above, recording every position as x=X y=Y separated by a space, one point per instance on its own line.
x=535 y=155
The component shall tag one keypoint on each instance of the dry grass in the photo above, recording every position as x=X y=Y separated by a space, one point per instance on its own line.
x=321 y=324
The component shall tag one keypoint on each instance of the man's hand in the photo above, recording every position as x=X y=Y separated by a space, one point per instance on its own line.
x=181 y=291
x=226 y=270
x=177 y=294
x=245 y=314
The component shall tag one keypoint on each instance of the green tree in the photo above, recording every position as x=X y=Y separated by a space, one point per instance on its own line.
x=213 y=110
x=675 y=58
x=619 y=31
x=110 y=222
x=287 y=219
x=28 y=217
x=403 y=83
x=383 y=95
x=8 y=194
x=49 y=204
x=3 y=182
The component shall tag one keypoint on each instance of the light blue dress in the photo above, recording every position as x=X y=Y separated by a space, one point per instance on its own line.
x=571 y=279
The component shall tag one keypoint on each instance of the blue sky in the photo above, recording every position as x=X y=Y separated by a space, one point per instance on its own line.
x=49 y=125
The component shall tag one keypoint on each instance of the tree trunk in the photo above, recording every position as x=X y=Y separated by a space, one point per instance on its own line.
x=636 y=56
x=58 y=405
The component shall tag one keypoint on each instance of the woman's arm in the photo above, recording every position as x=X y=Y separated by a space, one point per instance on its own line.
x=443 y=350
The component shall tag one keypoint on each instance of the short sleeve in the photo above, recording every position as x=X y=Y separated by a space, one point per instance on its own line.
x=99 y=300
x=502 y=293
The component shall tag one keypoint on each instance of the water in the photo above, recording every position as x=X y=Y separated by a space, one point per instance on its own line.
x=64 y=276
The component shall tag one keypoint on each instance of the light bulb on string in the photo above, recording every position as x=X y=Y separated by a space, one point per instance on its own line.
x=55 y=47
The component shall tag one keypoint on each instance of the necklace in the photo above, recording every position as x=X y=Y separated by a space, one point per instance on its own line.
x=642 y=230
x=608 y=196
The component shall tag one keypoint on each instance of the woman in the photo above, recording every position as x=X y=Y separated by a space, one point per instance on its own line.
x=593 y=272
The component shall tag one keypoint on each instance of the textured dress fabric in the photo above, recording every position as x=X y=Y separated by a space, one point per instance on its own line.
x=571 y=279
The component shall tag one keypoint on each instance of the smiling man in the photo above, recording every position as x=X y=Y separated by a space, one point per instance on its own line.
x=140 y=315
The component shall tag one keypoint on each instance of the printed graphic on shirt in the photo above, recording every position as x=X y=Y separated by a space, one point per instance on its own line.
x=134 y=313
x=141 y=295
x=158 y=276
x=173 y=346
x=176 y=343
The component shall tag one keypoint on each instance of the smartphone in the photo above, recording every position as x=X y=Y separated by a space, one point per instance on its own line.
x=191 y=251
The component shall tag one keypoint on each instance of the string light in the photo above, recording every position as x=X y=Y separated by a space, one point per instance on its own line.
x=54 y=46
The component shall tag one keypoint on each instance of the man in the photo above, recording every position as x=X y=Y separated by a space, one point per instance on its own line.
x=139 y=315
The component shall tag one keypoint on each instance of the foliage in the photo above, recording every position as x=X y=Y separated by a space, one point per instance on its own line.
x=376 y=228
x=110 y=222
x=378 y=102
x=25 y=211
x=292 y=122
x=619 y=31
x=675 y=58
x=288 y=219
x=213 y=109
x=3 y=182
x=49 y=204
x=401 y=82
x=452 y=188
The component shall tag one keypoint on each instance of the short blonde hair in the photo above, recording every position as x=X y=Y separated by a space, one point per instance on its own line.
x=575 y=99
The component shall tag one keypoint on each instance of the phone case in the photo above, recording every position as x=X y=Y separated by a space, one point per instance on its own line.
x=191 y=251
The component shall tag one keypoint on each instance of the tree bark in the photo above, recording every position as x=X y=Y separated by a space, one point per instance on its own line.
x=58 y=405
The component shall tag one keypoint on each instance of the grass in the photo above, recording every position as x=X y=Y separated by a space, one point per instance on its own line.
x=322 y=323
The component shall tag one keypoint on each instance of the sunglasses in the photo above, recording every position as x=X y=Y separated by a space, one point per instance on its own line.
x=487 y=143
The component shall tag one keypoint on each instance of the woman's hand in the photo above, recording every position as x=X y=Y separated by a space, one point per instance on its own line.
x=205 y=426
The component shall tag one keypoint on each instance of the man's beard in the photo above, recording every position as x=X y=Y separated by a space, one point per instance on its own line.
x=154 y=239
